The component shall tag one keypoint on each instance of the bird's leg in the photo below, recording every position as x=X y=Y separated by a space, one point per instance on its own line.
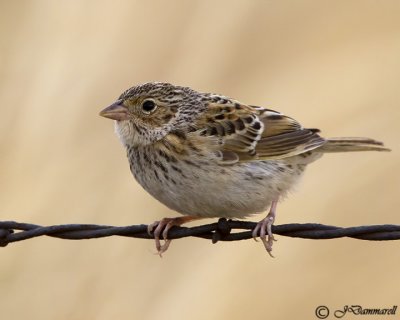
x=162 y=227
x=264 y=227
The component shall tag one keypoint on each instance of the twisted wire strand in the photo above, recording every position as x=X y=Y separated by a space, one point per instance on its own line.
x=11 y=231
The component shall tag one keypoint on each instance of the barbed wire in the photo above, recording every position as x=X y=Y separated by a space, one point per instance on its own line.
x=11 y=231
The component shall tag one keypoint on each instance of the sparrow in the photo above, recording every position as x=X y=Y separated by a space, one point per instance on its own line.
x=206 y=155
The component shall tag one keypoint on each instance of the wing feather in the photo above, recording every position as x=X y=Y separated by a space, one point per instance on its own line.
x=250 y=133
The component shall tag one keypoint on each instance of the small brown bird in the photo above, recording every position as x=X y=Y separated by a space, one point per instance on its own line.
x=206 y=155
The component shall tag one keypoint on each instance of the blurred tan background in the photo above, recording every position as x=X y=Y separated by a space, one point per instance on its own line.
x=330 y=64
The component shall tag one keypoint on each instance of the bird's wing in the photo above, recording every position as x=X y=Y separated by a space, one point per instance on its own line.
x=249 y=133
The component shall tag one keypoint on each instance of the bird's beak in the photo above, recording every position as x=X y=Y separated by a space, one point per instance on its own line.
x=117 y=111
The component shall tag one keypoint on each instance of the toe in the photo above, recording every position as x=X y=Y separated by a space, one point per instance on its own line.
x=164 y=247
x=166 y=229
x=151 y=227
x=268 y=246
x=255 y=232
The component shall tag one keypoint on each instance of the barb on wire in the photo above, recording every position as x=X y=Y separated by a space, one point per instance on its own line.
x=222 y=230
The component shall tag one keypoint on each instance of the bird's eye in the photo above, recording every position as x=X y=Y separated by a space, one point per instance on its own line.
x=148 y=106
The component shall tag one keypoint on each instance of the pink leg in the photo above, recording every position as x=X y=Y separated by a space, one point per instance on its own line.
x=264 y=227
x=162 y=227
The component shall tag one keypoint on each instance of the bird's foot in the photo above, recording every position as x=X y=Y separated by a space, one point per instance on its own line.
x=161 y=228
x=263 y=229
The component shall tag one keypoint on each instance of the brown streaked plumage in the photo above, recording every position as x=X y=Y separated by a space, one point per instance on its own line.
x=206 y=155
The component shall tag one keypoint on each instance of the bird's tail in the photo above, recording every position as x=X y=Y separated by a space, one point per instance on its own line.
x=352 y=144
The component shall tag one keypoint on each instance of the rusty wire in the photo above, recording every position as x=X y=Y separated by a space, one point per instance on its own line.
x=222 y=230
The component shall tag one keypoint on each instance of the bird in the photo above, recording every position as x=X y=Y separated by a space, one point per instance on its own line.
x=206 y=155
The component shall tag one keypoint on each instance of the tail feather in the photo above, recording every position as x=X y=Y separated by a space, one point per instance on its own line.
x=352 y=144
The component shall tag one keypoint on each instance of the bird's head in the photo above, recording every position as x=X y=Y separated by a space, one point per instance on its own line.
x=146 y=113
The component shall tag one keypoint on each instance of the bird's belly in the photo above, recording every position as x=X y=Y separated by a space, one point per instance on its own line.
x=209 y=190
